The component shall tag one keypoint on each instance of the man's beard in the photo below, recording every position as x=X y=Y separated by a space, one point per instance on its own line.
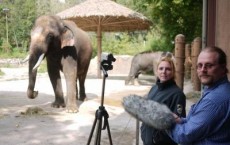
x=206 y=80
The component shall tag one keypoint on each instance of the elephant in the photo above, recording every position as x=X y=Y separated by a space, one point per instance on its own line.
x=143 y=62
x=66 y=48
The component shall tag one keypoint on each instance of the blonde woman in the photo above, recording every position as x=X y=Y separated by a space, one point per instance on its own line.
x=165 y=91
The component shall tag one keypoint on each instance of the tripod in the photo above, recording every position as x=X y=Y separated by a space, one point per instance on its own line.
x=100 y=114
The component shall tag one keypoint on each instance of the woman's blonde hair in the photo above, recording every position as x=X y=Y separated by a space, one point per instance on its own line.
x=168 y=56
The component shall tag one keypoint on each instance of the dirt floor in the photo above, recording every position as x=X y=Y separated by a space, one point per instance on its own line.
x=33 y=122
x=29 y=122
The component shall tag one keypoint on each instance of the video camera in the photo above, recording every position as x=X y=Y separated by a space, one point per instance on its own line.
x=106 y=61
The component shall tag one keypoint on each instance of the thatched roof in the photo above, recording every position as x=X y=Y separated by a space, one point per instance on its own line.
x=111 y=16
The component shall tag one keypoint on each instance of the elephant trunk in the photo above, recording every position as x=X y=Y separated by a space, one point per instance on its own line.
x=33 y=65
x=32 y=79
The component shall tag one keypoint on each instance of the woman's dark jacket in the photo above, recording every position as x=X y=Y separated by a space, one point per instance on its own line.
x=170 y=94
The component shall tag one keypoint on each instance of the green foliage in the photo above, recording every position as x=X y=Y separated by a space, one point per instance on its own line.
x=5 y=47
x=44 y=7
x=121 y=43
x=21 y=15
x=172 y=17
x=14 y=53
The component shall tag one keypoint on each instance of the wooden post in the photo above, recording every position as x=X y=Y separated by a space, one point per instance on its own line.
x=196 y=48
x=188 y=61
x=180 y=57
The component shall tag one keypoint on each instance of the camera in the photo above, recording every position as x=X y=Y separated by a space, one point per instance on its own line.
x=106 y=61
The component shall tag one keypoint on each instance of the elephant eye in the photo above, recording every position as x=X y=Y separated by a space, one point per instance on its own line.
x=50 y=36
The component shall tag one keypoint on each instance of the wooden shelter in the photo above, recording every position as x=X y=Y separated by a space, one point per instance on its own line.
x=105 y=16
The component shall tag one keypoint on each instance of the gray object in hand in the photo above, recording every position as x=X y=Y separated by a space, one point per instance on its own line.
x=150 y=112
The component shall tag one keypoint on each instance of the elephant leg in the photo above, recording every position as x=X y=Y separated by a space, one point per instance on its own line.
x=55 y=79
x=127 y=81
x=81 y=79
x=70 y=73
x=135 y=79
x=132 y=81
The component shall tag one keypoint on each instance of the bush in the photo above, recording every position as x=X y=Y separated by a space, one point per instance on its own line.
x=120 y=43
x=6 y=47
x=15 y=53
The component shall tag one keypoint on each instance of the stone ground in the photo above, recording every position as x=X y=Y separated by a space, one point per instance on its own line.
x=32 y=122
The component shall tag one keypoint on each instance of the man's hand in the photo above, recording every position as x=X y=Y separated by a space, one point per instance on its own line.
x=177 y=118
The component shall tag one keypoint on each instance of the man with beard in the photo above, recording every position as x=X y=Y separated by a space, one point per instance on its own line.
x=208 y=121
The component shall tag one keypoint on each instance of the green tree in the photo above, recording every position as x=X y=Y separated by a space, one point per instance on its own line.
x=21 y=15
x=172 y=17
x=22 y=18
x=53 y=6
x=3 y=5
x=43 y=7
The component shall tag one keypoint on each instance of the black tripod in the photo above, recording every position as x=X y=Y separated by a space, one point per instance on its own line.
x=100 y=114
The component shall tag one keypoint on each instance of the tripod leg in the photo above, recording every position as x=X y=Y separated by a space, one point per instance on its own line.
x=137 y=131
x=98 y=136
x=91 y=133
x=109 y=134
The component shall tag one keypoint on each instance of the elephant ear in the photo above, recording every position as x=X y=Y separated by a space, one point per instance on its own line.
x=67 y=38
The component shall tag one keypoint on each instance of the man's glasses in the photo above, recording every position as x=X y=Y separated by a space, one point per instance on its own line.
x=205 y=66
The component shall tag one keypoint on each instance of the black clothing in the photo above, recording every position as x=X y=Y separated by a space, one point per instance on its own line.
x=170 y=94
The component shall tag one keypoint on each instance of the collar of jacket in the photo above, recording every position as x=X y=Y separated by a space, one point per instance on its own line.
x=164 y=85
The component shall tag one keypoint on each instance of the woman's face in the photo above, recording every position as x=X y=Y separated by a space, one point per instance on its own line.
x=164 y=71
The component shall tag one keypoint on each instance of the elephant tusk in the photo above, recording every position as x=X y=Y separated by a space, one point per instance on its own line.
x=39 y=61
x=26 y=59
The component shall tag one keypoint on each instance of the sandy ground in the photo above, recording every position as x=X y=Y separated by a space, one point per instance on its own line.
x=53 y=126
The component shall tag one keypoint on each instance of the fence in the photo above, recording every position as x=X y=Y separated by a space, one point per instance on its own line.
x=186 y=60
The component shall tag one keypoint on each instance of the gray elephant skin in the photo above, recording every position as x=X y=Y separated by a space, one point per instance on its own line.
x=144 y=62
x=66 y=48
